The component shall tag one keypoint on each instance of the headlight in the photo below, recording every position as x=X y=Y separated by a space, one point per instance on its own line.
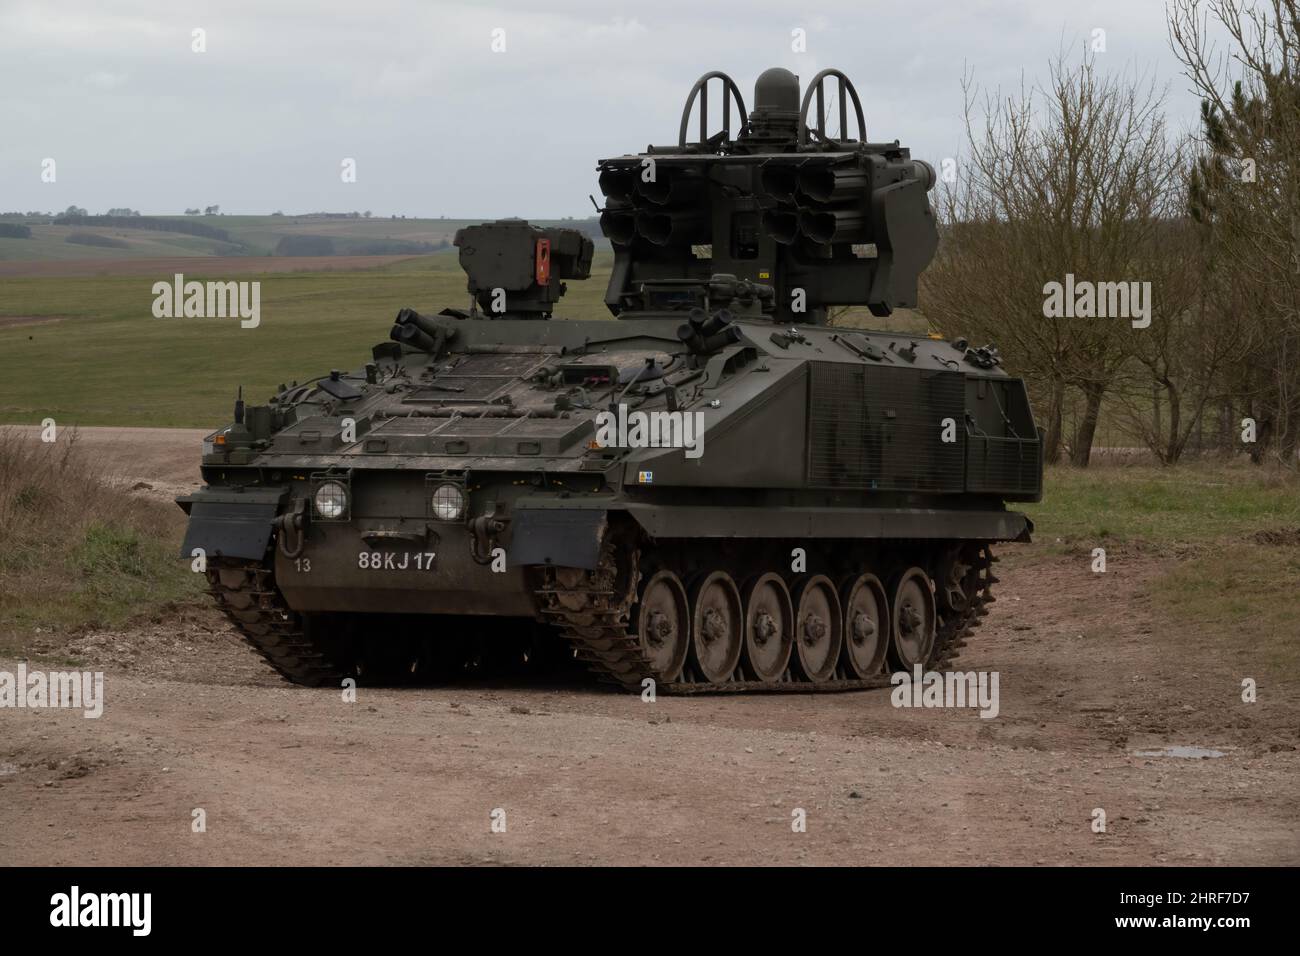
x=448 y=503
x=331 y=500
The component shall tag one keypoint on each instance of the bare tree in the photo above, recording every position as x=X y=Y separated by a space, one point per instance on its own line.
x=1249 y=189
x=1072 y=178
x=1179 y=362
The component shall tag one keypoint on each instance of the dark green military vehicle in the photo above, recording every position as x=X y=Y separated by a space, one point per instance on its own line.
x=715 y=488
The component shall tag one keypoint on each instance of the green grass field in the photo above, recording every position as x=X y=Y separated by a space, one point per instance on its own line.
x=108 y=361
x=105 y=360
x=1146 y=504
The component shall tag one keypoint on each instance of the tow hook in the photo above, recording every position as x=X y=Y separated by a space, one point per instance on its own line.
x=483 y=531
x=292 y=524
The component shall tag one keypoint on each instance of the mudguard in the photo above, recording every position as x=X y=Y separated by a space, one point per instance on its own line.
x=227 y=523
x=566 y=539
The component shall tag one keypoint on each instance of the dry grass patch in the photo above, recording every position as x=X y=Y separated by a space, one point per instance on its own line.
x=76 y=552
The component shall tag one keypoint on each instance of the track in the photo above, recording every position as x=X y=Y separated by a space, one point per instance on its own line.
x=592 y=611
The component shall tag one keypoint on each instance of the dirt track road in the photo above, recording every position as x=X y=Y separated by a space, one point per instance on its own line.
x=163 y=460
x=289 y=776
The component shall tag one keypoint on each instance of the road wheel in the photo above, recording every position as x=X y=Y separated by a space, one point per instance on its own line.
x=716 y=625
x=663 y=622
x=769 y=628
x=913 y=619
x=819 y=628
x=866 y=625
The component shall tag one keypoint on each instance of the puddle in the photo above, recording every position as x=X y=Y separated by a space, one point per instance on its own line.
x=1187 y=753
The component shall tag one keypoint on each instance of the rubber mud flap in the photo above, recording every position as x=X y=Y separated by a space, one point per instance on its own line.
x=566 y=539
x=225 y=530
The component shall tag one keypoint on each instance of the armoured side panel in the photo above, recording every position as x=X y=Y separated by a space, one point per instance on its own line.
x=883 y=428
x=754 y=445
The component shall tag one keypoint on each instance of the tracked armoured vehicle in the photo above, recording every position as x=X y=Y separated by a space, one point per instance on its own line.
x=717 y=488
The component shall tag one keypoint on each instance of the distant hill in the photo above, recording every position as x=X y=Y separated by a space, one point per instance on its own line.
x=171 y=236
x=94 y=239
x=189 y=227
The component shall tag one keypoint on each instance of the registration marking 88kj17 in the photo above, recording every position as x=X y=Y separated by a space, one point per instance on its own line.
x=395 y=560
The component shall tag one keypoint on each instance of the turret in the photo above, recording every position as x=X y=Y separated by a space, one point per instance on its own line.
x=773 y=199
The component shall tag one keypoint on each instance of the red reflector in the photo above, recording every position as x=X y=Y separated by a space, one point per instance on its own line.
x=543 y=259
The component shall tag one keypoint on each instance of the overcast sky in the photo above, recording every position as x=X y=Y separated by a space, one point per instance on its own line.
x=439 y=124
